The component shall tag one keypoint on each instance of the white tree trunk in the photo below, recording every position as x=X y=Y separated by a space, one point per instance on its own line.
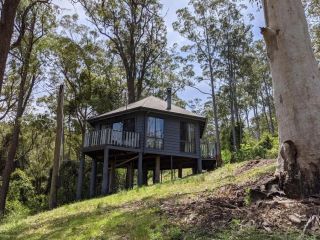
x=296 y=83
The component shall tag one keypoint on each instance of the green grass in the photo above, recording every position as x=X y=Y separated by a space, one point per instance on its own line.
x=131 y=214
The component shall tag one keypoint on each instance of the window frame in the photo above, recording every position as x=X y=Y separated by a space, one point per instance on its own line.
x=185 y=143
x=155 y=138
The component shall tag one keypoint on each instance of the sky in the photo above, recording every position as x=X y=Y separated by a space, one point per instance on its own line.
x=169 y=12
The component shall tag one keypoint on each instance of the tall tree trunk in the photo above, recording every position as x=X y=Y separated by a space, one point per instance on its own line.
x=256 y=118
x=296 y=82
x=131 y=89
x=23 y=98
x=269 y=105
x=57 y=151
x=265 y=112
x=8 y=13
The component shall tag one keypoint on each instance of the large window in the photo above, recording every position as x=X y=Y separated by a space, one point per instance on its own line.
x=155 y=133
x=187 y=137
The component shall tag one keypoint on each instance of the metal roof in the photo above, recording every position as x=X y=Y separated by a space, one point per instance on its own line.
x=150 y=103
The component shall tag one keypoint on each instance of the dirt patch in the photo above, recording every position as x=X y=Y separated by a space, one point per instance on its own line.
x=231 y=205
x=253 y=164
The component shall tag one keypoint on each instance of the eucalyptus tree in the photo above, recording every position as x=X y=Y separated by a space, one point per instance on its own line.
x=136 y=32
x=235 y=39
x=88 y=70
x=28 y=71
x=200 y=25
x=296 y=84
x=8 y=24
x=8 y=13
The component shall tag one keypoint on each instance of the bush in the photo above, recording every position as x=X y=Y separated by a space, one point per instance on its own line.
x=267 y=147
x=22 y=199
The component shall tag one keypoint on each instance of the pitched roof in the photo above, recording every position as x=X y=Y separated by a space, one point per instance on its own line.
x=150 y=103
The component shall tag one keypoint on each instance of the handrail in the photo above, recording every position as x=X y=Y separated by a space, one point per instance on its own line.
x=112 y=137
x=208 y=150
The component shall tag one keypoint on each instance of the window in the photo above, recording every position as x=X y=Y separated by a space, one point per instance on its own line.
x=187 y=137
x=155 y=133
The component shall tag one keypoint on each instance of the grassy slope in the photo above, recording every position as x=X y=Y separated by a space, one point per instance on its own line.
x=133 y=214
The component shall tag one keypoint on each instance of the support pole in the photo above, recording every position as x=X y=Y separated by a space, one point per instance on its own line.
x=157 y=170
x=93 y=176
x=199 y=165
x=112 y=181
x=171 y=166
x=140 y=172
x=105 y=174
x=129 y=176
x=180 y=172
x=80 y=176
x=145 y=174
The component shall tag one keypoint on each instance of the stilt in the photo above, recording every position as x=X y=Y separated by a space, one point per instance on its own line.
x=80 y=176
x=112 y=177
x=140 y=172
x=129 y=176
x=194 y=170
x=180 y=172
x=93 y=176
x=171 y=163
x=105 y=174
x=157 y=170
x=145 y=174
x=199 y=165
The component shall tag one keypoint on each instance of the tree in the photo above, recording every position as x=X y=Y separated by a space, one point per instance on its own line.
x=57 y=151
x=27 y=75
x=296 y=83
x=200 y=27
x=135 y=31
x=8 y=13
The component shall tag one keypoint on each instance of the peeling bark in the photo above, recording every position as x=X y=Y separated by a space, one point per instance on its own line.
x=296 y=84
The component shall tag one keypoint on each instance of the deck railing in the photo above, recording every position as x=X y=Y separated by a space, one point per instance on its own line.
x=208 y=150
x=112 y=137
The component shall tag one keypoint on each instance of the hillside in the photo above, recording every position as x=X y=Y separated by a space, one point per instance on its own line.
x=213 y=205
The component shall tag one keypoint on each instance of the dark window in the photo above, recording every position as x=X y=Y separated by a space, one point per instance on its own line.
x=187 y=137
x=129 y=125
x=155 y=133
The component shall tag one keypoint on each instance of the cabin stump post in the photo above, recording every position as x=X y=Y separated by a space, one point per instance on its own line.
x=105 y=174
x=145 y=174
x=112 y=176
x=93 y=177
x=199 y=165
x=140 y=171
x=157 y=170
x=129 y=176
x=180 y=172
x=80 y=176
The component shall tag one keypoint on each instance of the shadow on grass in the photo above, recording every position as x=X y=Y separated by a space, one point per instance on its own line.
x=137 y=220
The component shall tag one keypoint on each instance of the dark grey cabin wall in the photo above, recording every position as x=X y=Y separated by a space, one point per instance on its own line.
x=171 y=132
x=172 y=135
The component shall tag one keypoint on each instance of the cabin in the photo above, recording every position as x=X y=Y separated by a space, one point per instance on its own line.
x=148 y=135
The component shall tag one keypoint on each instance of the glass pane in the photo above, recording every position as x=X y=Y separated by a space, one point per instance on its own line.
x=159 y=128
x=118 y=126
x=159 y=144
x=150 y=142
x=151 y=127
x=183 y=131
x=129 y=125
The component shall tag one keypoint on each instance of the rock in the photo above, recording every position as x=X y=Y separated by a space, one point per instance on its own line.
x=294 y=219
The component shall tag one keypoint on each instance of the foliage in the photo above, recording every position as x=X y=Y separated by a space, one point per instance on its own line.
x=22 y=199
x=133 y=214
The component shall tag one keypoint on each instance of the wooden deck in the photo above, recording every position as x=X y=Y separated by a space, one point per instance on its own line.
x=97 y=139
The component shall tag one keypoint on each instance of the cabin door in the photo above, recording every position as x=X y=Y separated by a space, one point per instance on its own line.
x=117 y=129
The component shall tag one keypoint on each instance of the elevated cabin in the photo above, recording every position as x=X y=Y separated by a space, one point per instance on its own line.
x=148 y=135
